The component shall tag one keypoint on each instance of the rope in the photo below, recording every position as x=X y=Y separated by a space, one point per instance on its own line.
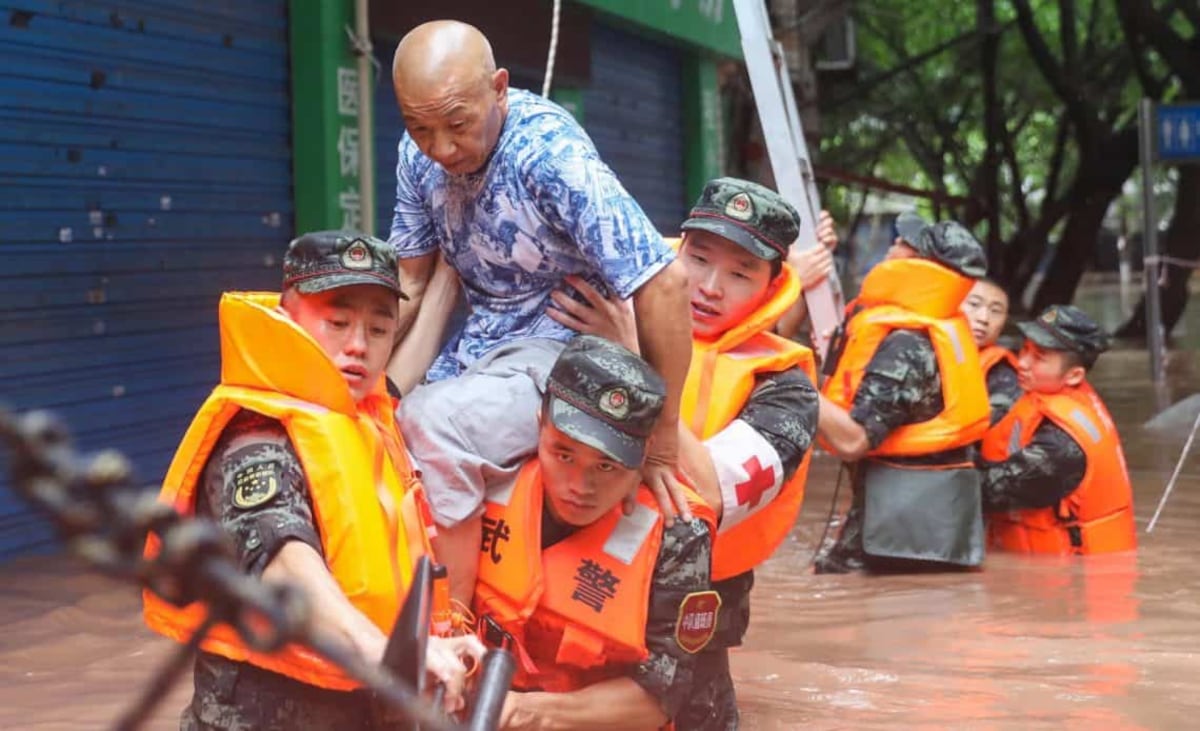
x=1175 y=475
x=1173 y=261
x=553 y=48
x=361 y=46
x=843 y=469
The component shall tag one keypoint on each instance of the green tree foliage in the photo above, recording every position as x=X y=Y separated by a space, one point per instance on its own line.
x=1018 y=115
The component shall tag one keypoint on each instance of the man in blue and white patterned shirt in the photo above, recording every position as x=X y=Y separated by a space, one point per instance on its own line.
x=511 y=191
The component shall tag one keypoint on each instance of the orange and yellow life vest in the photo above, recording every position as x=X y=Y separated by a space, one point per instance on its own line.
x=1097 y=517
x=577 y=610
x=991 y=356
x=723 y=373
x=369 y=508
x=917 y=294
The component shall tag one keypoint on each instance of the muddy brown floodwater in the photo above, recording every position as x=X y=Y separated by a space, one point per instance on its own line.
x=1100 y=643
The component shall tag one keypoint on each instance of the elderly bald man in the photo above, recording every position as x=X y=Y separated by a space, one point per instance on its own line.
x=511 y=191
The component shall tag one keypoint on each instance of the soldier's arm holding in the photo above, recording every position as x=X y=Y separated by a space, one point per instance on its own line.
x=664 y=325
x=1039 y=475
x=657 y=688
x=1003 y=391
x=900 y=373
x=256 y=488
x=812 y=265
x=844 y=436
x=332 y=613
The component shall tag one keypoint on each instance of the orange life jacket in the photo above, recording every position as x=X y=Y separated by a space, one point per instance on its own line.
x=917 y=294
x=991 y=356
x=589 y=623
x=719 y=382
x=369 y=508
x=1097 y=517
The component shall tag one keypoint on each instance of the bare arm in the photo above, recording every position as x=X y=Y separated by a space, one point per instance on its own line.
x=300 y=565
x=697 y=464
x=812 y=265
x=606 y=317
x=664 y=328
x=419 y=346
x=457 y=547
x=844 y=436
x=415 y=273
x=611 y=704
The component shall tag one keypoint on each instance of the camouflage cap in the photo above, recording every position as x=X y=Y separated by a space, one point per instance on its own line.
x=1064 y=327
x=909 y=226
x=951 y=244
x=324 y=260
x=750 y=215
x=601 y=394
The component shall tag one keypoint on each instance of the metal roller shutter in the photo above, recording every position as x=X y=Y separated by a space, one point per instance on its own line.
x=147 y=168
x=633 y=111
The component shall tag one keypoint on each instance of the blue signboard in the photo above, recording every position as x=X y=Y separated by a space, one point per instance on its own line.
x=1178 y=132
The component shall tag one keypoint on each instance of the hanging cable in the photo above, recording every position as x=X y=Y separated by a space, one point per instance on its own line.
x=842 y=470
x=557 y=13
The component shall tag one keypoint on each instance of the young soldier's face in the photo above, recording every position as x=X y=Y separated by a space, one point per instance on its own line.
x=1042 y=370
x=986 y=308
x=726 y=282
x=581 y=483
x=355 y=326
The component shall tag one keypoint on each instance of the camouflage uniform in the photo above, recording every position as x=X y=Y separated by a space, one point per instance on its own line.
x=1003 y=389
x=1051 y=466
x=782 y=408
x=683 y=567
x=231 y=694
x=238 y=695
x=901 y=385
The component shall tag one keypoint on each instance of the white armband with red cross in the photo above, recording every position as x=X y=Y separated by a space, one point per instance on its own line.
x=749 y=471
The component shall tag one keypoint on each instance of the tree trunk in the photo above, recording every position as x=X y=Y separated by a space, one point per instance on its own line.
x=1106 y=167
x=1078 y=241
x=1182 y=242
x=990 y=170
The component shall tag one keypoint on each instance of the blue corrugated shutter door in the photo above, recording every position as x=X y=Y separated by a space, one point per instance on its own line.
x=146 y=169
x=633 y=111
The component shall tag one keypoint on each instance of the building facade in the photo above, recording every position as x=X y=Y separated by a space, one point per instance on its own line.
x=159 y=153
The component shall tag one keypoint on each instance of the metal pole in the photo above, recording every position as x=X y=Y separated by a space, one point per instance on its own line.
x=366 y=118
x=1154 y=332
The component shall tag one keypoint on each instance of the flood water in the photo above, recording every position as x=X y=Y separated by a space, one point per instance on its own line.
x=1099 y=643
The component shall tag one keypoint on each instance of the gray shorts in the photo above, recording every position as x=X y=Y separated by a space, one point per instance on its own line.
x=472 y=433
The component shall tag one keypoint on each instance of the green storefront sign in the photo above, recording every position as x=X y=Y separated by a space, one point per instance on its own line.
x=710 y=24
x=325 y=109
x=325 y=135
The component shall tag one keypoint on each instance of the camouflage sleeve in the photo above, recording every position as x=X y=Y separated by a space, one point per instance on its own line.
x=901 y=386
x=1003 y=390
x=783 y=409
x=683 y=567
x=254 y=486
x=1039 y=475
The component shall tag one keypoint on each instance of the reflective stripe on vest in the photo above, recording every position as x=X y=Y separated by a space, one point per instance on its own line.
x=1097 y=517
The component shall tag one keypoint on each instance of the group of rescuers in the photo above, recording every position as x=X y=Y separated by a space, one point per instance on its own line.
x=600 y=499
